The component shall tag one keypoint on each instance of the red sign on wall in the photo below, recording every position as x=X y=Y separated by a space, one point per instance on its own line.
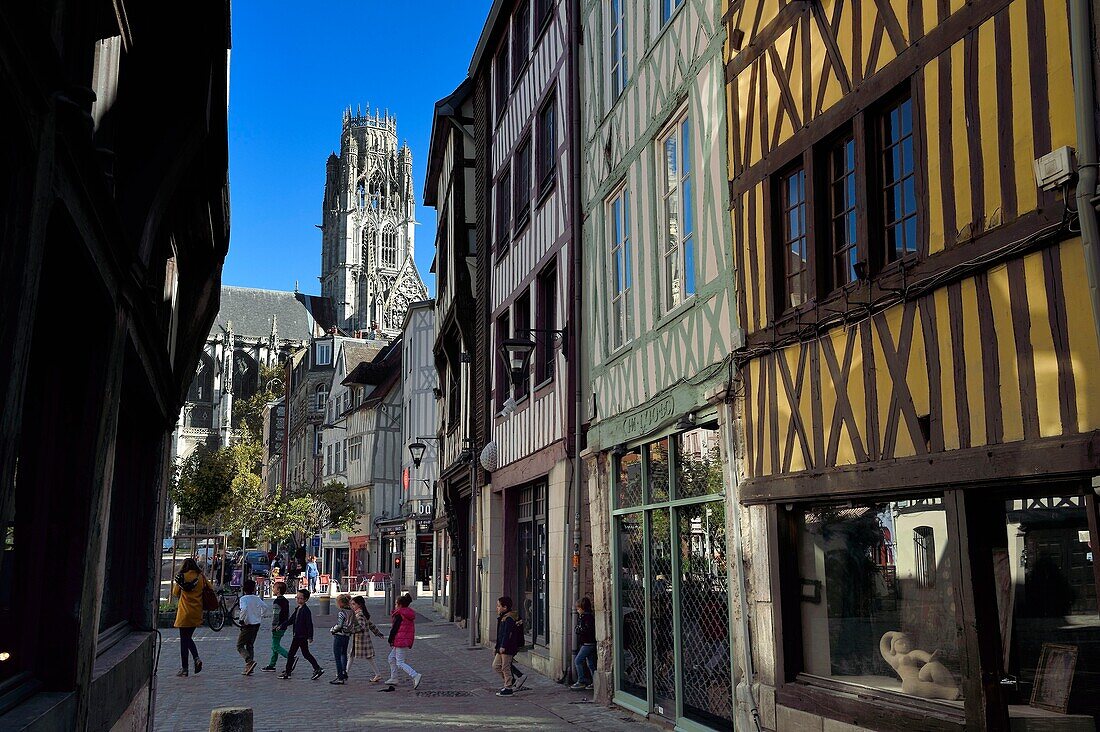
x=405 y=479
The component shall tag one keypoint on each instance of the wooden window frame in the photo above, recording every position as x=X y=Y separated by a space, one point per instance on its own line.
x=502 y=90
x=521 y=39
x=546 y=319
x=882 y=257
x=503 y=211
x=861 y=127
x=781 y=242
x=674 y=130
x=616 y=50
x=547 y=144
x=521 y=183
x=825 y=215
x=502 y=331
x=620 y=255
x=521 y=326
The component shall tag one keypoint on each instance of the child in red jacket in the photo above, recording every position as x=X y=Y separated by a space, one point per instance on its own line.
x=402 y=634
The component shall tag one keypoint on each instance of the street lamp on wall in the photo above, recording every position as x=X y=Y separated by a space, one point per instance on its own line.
x=416 y=449
x=516 y=351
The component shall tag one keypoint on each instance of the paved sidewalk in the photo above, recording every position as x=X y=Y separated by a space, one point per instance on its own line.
x=458 y=691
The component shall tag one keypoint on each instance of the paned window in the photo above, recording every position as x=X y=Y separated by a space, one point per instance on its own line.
x=329 y=467
x=504 y=209
x=841 y=172
x=793 y=254
x=856 y=214
x=622 y=313
x=318 y=443
x=522 y=181
x=521 y=38
x=678 y=228
x=548 y=144
x=344 y=456
x=616 y=48
x=547 y=320
x=355 y=449
x=533 y=563
x=501 y=72
x=898 y=179
x=321 y=398
x=323 y=353
x=667 y=8
x=522 y=319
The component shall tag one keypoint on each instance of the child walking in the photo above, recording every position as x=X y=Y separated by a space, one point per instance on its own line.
x=585 y=660
x=252 y=614
x=341 y=637
x=280 y=611
x=302 y=621
x=361 y=644
x=402 y=634
x=506 y=645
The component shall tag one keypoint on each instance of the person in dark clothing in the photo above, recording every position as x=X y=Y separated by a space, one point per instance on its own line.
x=585 y=643
x=280 y=612
x=302 y=621
x=507 y=643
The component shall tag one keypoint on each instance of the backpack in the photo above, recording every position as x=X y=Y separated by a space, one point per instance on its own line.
x=519 y=639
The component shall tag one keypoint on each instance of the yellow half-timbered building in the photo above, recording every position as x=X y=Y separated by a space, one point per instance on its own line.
x=920 y=381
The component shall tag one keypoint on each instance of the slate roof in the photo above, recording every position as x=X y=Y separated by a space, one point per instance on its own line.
x=250 y=310
x=357 y=353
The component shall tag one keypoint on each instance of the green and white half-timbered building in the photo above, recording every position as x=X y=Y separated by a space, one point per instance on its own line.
x=660 y=324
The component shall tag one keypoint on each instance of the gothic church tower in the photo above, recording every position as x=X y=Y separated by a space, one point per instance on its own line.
x=367 y=266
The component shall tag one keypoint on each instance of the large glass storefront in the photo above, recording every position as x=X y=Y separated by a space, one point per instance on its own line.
x=878 y=587
x=672 y=614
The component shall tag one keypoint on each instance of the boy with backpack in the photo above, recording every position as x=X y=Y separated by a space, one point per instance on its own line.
x=509 y=635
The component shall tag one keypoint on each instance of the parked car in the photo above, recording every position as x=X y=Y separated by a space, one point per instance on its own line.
x=169 y=545
x=255 y=563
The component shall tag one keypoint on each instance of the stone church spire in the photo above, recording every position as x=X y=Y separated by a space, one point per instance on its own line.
x=367 y=247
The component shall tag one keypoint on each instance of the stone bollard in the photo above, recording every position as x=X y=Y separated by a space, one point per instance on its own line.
x=231 y=719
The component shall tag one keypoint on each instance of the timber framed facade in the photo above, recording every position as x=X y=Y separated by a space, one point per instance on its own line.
x=660 y=327
x=920 y=430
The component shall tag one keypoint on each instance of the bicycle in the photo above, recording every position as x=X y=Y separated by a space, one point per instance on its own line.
x=215 y=619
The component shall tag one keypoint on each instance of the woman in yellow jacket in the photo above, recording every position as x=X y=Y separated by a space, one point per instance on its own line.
x=188 y=586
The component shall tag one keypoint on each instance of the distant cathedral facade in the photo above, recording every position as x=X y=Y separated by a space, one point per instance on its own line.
x=367 y=268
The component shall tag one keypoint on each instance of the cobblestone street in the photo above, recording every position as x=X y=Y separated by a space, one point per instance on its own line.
x=457 y=693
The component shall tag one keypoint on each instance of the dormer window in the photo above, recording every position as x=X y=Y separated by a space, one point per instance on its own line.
x=322 y=353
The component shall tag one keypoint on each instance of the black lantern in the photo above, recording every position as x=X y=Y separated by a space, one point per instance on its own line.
x=516 y=353
x=416 y=449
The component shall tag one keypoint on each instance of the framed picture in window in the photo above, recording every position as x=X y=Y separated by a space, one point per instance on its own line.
x=1054 y=677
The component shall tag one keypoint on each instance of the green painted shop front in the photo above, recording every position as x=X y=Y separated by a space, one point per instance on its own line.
x=671 y=603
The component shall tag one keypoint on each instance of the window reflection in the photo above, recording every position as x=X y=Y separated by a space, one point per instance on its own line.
x=877 y=606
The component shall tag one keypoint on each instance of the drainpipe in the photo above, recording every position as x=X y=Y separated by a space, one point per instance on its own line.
x=573 y=17
x=749 y=676
x=1084 y=104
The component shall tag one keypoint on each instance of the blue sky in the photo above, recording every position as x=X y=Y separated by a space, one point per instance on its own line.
x=293 y=70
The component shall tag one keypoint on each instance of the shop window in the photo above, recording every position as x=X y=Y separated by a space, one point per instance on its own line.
x=673 y=648
x=533 y=563
x=631 y=610
x=878 y=613
x=704 y=619
x=1045 y=582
